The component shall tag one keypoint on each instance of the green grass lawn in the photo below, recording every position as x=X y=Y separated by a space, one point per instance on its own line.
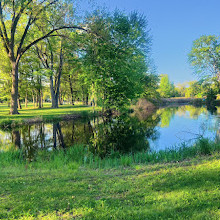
x=45 y=113
x=185 y=190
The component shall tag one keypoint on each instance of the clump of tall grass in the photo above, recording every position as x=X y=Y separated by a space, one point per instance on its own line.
x=80 y=156
x=11 y=158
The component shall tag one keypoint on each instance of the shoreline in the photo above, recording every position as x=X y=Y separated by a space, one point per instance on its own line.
x=33 y=115
x=77 y=112
x=164 y=102
x=37 y=120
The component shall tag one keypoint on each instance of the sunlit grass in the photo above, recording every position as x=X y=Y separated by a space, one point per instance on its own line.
x=186 y=190
x=44 y=113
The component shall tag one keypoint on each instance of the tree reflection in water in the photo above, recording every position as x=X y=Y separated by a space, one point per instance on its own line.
x=124 y=134
x=16 y=139
x=212 y=109
x=31 y=138
x=57 y=134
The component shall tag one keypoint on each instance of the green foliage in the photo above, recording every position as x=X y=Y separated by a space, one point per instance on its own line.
x=83 y=156
x=121 y=134
x=211 y=96
x=151 y=87
x=166 y=115
x=45 y=113
x=116 y=60
x=202 y=89
x=105 y=65
x=166 y=88
x=60 y=188
x=181 y=89
x=5 y=78
x=204 y=56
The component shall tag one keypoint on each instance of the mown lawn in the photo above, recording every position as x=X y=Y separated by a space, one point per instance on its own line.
x=186 y=190
x=45 y=113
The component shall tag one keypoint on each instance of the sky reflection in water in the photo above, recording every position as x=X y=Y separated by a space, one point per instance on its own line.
x=167 y=127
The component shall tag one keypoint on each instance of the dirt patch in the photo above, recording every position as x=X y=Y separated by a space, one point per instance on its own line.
x=143 y=109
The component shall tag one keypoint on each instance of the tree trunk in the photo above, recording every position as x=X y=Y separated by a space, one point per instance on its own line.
x=71 y=90
x=60 y=136
x=42 y=136
x=36 y=100
x=42 y=99
x=19 y=103
x=26 y=100
x=39 y=99
x=16 y=138
x=60 y=99
x=55 y=87
x=33 y=100
x=54 y=135
x=39 y=102
x=14 y=89
x=87 y=99
x=54 y=98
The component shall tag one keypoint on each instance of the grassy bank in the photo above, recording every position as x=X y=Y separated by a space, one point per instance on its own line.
x=68 y=185
x=45 y=113
x=186 y=190
x=79 y=156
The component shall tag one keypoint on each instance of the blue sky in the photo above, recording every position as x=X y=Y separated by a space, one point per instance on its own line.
x=174 y=24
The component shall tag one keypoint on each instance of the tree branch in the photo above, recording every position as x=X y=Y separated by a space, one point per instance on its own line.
x=3 y=31
x=40 y=56
x=4 y=43
x=48 y=35
x=15 y=22
x=23 y=36
x=42 y=9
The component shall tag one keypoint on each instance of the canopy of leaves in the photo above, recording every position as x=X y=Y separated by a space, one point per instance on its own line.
x=116 y=59
x=166 y=88
x=205 y=56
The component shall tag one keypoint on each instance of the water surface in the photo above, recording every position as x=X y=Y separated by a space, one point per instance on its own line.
x=167 y=127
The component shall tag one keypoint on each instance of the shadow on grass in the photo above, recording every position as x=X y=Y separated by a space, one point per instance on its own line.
x=182 y=192
x=46 y=113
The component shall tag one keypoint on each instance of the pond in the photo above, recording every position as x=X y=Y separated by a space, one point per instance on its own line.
x=165 y=128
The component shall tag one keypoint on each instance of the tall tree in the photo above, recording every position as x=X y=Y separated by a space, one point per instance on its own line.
x=51 y=57
x=166 y=88
x=205 y=56
x=19 y=24
x=5 y=79
x=116 y=60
